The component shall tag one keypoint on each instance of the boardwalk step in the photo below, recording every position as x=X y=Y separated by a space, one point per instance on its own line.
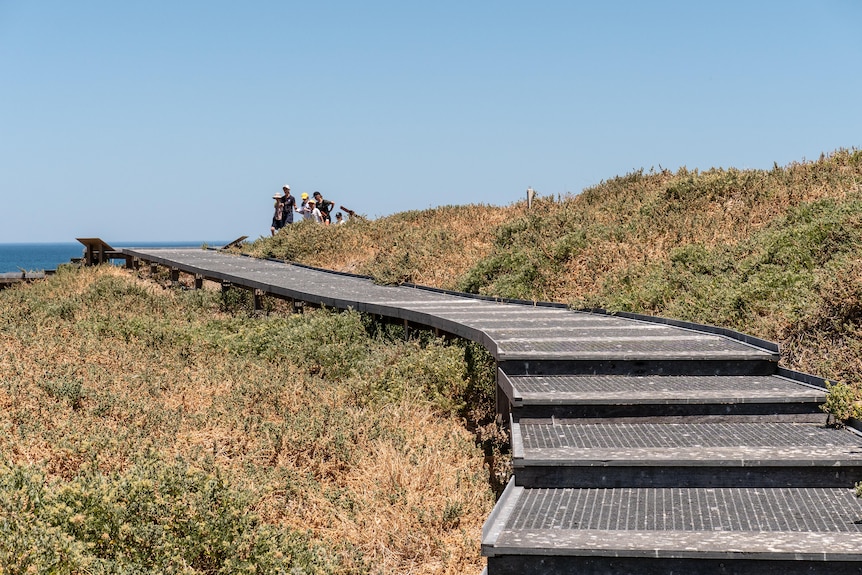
x=675 y=530
x=659 y=395
x=553 y=453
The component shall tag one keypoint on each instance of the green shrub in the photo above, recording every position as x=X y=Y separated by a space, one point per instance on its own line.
x=842 y=403
x=156 y=517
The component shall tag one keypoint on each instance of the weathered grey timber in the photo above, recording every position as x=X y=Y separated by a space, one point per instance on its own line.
x=10 y=278
x=640 y=445
x=492 y=323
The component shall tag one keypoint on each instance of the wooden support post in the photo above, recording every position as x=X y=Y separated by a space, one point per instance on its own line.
x=175 y=276
x=96 y=251
x=406 y=330
x=130 y=263
x=298 y=306
x=225 y=286
x=258 y=299
x=199 y=281
x=503 y=407
x=154 y=268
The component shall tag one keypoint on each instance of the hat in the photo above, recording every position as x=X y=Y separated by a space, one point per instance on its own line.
x=316 y=193
x=304 y=196
x=285 y=187
x=312 y=201
x=277 y=197
x=338 y=215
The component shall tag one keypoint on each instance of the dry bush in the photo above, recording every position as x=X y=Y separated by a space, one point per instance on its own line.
x=431 y=247
x=101 y=370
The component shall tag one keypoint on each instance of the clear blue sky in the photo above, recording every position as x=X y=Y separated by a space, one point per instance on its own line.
x=178 y=120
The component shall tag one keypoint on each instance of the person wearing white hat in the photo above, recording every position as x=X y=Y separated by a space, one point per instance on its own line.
x=278 y=216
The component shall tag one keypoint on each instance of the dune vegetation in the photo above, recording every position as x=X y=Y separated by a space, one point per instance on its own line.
x=774 y=253
x=152 y=428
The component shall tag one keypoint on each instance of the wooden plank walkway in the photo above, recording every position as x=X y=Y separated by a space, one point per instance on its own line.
x=11 y=278
x=639 y=445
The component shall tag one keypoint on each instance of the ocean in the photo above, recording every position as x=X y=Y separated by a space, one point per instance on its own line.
x=40 y=257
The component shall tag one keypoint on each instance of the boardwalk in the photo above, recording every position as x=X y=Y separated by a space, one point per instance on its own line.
x=638 y=446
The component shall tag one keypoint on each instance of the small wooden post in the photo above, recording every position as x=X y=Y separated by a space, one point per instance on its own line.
x=175 y=276
x=199 y=281
x=154 y=268
x=258 y=299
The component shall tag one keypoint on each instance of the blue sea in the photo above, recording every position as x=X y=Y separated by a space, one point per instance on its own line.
x=44 y=256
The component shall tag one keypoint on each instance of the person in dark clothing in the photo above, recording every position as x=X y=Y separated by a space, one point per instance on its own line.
x=325 y=207
x=289 y=205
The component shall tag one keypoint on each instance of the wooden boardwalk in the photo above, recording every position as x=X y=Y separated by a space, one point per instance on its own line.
x=640 y=445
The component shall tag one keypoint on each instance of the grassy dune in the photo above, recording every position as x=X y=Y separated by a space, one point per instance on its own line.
x=774 y=253
x=153 y=429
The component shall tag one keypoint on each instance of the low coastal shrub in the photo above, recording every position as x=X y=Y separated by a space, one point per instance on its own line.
x=152 y=429
x=155 y=517
x=766 y=252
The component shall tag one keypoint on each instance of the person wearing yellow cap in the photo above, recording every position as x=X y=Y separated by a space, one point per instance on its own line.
x=302 y=208
x=308 y=207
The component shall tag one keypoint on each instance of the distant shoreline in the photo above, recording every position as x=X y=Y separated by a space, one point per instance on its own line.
x=42 y=256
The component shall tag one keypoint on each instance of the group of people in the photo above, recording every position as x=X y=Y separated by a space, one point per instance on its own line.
x=312 y=207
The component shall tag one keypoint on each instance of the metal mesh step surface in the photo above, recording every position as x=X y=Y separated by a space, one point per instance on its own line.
x=703 y=436
x=822 y=524
x=602 y=389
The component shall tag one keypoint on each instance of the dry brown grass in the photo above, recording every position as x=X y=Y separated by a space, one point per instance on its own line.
x=612 y=246
x=433 y=247
x=391 y=486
